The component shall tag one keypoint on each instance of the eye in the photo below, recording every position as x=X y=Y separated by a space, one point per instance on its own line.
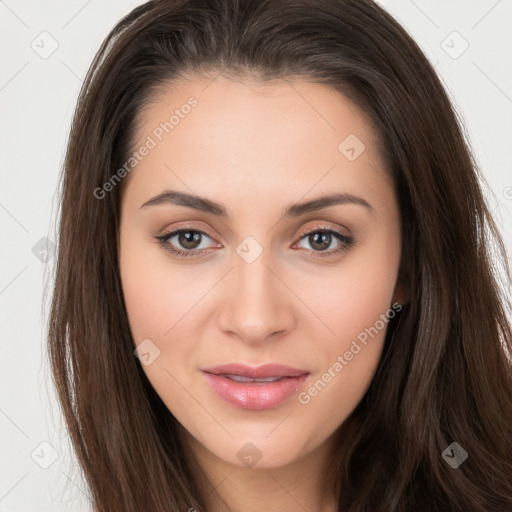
x=190 y=240
x=320 y=239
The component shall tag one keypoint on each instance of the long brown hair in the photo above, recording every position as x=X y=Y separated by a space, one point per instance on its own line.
x=445 y=373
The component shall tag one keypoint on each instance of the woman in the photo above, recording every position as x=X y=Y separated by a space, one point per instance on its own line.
x=275 y=284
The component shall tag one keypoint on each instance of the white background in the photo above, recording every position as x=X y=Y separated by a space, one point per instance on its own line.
x=37 y=98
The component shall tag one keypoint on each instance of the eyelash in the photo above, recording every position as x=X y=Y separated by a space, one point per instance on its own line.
x=346 y=241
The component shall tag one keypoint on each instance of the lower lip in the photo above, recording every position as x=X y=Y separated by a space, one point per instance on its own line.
x=253 y=395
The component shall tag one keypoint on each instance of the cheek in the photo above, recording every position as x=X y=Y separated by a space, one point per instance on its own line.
x=158 y=294
x=146 y=303
x=160 y=300
x=351 y=297
x=355 y=304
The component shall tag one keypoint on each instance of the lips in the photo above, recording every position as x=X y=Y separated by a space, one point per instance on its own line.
x=256 y=388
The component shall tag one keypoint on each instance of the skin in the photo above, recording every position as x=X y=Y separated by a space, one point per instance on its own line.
x=257 y=148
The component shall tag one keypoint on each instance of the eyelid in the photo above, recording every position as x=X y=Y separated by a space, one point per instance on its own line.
x=175 y=231
x=302 y=233
x=322 y=227
x=186 y=227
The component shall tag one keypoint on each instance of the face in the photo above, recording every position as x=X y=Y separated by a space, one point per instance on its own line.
x=261 y=280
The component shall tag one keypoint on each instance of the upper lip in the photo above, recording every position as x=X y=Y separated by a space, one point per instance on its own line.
x=256 y=372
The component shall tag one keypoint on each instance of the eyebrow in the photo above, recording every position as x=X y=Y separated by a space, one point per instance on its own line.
x=295 y=210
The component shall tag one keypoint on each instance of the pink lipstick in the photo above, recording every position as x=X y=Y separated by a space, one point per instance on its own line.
x=256 y=388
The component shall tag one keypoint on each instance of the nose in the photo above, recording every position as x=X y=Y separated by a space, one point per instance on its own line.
x=256 y=304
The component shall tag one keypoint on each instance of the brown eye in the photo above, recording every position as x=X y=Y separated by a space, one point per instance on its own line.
x=186 y=244
x=320 y=240
x=189 y=239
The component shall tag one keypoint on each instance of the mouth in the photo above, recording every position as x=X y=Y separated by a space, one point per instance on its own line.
x=256 y=372
x=256 y=388
x=241 y=378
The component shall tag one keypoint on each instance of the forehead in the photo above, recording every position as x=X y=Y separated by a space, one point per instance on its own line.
x=219 y=134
